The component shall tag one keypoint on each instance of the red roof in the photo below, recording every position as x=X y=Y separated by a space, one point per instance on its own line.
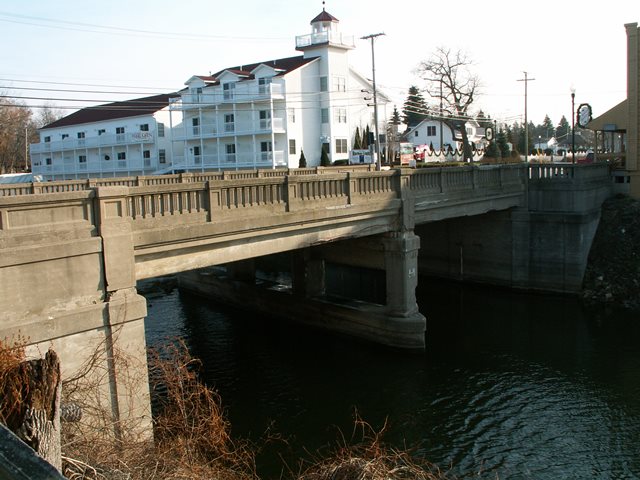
x=285 y=65
x=111 y=111
x=325 y=17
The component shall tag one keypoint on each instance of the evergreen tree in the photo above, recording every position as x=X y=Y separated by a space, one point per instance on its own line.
x=324 y=158
x=395 y=117
x=303 y=161
x=364 y=143
x=547 y=127
x=502 y=143
x=492 y=150
x=415 y=108
x=357 y=142
x=563 y=129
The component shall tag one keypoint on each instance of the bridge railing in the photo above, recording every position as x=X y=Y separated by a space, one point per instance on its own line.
x=469 y=178
x=555 y=172
x=179 y=178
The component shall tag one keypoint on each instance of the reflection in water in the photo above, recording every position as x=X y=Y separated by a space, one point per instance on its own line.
x=520 y=385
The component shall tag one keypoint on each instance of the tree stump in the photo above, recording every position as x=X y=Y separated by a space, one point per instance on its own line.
x=30 y=405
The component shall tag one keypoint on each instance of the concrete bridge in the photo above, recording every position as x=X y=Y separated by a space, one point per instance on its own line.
x=72 y=252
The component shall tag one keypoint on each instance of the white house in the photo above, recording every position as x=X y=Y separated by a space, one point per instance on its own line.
x=263 y=115
x=116 y=139
x=443 y=134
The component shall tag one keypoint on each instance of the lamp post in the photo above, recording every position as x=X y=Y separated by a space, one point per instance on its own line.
x=573 y=125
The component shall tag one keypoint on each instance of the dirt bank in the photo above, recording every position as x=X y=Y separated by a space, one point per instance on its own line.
x=613 y=270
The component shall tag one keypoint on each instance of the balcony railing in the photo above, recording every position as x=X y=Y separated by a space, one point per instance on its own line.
x=94 y=142
x=210 y=130
x=333 y=38
x=230 y=160
x=247 y=91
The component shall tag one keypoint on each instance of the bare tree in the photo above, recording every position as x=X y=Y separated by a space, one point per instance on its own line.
x=450 y=80
x=15 y=119
x=47 y=114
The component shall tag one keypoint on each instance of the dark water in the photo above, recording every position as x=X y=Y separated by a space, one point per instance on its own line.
x=511 y=385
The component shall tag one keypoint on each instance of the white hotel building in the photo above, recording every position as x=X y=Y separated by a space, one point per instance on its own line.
x=261 y=115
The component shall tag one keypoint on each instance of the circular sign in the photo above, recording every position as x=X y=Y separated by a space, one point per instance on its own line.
x=583 y=115
x=488 y=133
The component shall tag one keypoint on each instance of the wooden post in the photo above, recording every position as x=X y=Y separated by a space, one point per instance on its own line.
x=34 y=390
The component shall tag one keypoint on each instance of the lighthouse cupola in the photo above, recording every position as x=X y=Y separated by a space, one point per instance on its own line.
x=324 y=31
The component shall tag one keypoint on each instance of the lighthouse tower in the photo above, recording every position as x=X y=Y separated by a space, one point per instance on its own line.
x=327 y=44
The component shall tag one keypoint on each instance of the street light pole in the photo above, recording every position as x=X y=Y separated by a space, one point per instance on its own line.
x=573 y=126
x=375 y=98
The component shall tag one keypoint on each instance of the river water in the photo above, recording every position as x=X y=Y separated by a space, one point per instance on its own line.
x=513 y=385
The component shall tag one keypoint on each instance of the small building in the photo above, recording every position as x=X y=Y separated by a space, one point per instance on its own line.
x=444 y=134
x=617 y=130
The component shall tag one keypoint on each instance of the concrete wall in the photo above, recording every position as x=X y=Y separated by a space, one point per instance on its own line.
x=57 y=289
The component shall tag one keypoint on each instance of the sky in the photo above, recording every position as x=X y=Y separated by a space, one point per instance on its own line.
x=110 y=51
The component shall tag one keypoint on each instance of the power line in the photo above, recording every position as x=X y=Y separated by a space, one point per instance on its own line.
x=112 y=30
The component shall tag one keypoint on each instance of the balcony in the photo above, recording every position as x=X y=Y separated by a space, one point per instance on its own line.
x=94 y=142
x=230 y=160
x=244 y=92
x=237 y=128
x=320 y=38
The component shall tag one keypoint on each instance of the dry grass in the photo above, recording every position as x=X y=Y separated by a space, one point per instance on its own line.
x=12 y=381
x=191 y=434
x=368 y=459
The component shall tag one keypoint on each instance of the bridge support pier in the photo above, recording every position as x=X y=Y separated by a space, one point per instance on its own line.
x=397 y=323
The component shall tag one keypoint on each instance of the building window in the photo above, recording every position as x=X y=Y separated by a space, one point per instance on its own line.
x=197 y=158
x=119 y=130
x=341 y=115
x=144 y=127
x=162 y=156
x=415 y=134
x=80 y=134
x=102 y=131
x=292 y=147
x=160 y=129
x=339 y=84
x=324 y=115
x=47 y=139
x=265 y=151
x=231 y=152
x=431 y=131
x=323 y=84
x=265 y=119
x=263 y=85
x=120 y=134
x=195 y=123
x=47 y=161
x=292 y=115
x=229 y=122
x=228 y=89
x=82 y=159
x=65 y=135
x=341 y=145
x=122 y=155
x=146 y=154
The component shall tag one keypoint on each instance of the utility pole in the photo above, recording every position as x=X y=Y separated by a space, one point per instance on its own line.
x=372 y=37
x=526 y=80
